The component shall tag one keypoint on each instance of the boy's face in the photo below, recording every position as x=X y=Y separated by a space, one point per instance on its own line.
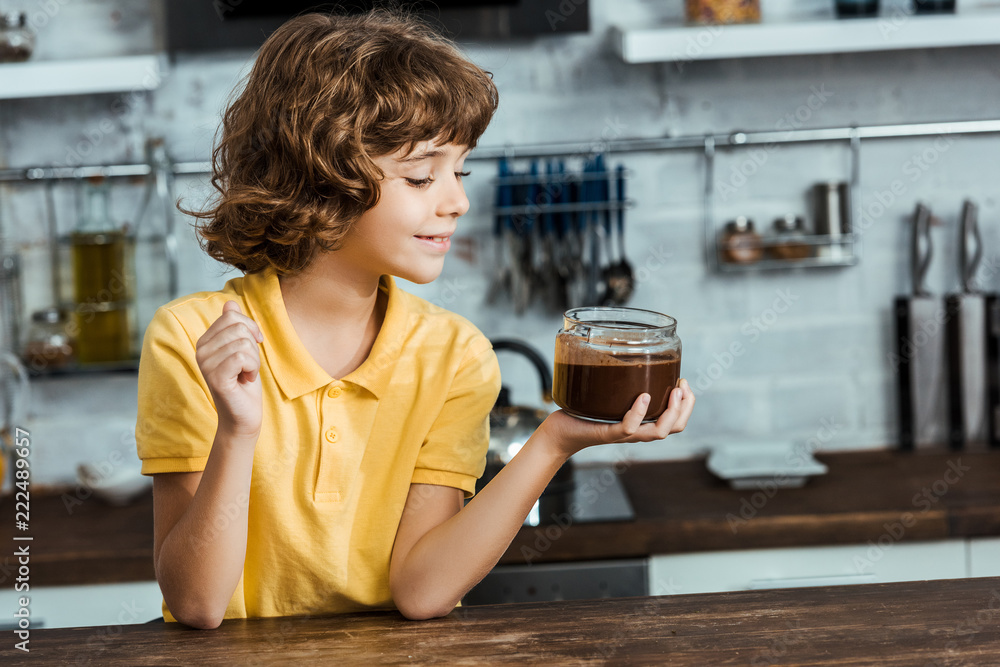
x=408 y=232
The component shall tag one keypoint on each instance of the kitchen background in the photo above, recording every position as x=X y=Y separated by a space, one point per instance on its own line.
x=815 y=364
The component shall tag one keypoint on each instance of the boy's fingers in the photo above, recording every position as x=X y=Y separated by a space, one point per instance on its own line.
x=633 y=418
x=687 y=406
x=230 y=306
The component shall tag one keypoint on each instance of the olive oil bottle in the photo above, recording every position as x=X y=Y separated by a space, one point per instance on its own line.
x=102 y=284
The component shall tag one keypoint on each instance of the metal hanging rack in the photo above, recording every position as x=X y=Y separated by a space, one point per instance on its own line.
x=654 y=144
x=709 y=144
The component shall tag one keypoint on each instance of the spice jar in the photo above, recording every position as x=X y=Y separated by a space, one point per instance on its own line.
x=714 y=12
x=607 y=356
x=17 y=41
x=739 y=243
x=790 y=239
x=49 y=347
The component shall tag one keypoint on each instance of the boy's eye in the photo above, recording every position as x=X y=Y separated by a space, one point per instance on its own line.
x=420 y=182
x=461 y=174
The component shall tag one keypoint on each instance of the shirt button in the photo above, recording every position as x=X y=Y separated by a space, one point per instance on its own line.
x=335 y=392
x=331 y=435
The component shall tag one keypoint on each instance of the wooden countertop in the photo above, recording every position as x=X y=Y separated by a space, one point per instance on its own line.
x=916 y=623
x=682 y=507
x=679 y=506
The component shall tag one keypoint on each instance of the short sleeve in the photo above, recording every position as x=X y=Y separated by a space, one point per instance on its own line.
x=176 y=422
x=454 y=451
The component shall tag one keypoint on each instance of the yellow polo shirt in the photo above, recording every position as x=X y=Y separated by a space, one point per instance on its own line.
x=336 y=456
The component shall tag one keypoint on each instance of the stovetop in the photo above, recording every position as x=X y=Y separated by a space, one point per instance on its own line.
x=598 y=495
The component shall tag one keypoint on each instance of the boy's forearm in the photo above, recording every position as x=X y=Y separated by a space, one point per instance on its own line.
x=451 y=558
x=201 y=560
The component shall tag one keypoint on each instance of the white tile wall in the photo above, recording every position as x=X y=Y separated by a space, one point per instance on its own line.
x=825 y=357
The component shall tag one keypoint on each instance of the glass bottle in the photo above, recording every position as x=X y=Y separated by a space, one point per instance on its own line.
x=156 y=272
x=17 y=41
x=102 y=286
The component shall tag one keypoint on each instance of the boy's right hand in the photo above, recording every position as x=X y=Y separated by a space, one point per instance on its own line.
x=228 y=355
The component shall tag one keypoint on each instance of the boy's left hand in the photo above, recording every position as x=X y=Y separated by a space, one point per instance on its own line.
x=571 y=435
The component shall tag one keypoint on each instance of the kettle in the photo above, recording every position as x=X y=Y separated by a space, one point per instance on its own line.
x=512 y=425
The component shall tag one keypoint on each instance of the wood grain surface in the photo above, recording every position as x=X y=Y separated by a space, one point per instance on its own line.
x=955 y=622
x=680 y=507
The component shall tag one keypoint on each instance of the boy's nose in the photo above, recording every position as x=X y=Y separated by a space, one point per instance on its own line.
x=453 y=201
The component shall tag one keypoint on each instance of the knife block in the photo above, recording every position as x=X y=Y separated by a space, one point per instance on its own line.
x=969 y=371
x=922 y=372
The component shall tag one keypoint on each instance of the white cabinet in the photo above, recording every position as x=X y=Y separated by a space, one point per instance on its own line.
x=40 y=78
x=984 y=557
x=80 y=606
x=717 y=571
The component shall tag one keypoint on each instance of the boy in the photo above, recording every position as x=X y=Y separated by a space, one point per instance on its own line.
x=312 y=430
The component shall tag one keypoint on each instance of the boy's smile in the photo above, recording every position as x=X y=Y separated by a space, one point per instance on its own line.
x=408 y=233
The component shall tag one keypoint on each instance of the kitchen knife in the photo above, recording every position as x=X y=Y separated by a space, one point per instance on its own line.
x=967 y=346
x=920 y=358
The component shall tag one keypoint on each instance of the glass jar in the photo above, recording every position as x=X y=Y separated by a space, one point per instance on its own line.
x=17 y=41
x=607 y=356
x=49 y=347
x=790 y=239
x=717 y=12
x=739 y=243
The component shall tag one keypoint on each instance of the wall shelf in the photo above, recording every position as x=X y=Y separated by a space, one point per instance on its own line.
x=81 y=77
x=679 y=43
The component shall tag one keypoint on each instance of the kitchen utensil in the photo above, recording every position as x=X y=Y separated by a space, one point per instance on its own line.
x=575 y=231
x=622 y=283
x=993 y=368
x=512 y=425
x=530 y=260
x=502 y=273
x=609 y=274
x=552 y=280
x=591 y=197
x=920 y=358
x=521 y=248
x=967 y=348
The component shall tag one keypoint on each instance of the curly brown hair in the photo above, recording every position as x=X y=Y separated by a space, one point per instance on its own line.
x=293 y=169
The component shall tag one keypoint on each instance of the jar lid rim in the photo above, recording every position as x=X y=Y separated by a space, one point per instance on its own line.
x=622 y=313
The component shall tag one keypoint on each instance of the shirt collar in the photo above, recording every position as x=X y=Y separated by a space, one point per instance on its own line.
x=293 y=368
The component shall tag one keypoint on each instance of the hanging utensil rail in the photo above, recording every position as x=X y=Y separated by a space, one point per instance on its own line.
x=652 y=144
